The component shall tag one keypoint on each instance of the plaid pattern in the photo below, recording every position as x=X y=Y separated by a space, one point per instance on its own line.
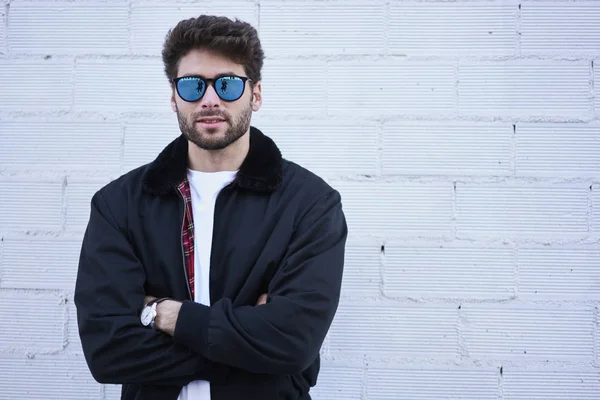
x=187 y=234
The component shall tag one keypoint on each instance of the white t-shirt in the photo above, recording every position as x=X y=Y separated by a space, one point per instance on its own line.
x=204 y=188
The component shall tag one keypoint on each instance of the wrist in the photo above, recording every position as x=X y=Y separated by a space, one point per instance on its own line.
x=149 y=312
x=167 y=313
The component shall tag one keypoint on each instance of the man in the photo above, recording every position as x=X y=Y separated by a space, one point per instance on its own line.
x=213 y=272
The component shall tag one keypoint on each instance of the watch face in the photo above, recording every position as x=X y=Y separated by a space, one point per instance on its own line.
x=147 y=315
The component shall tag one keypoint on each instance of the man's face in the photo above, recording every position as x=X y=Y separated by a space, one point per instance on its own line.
x=211 y=122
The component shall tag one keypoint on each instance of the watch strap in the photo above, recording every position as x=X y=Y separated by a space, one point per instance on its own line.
x=156 y=301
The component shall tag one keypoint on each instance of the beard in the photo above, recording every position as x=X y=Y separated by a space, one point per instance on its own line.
x=235 y=128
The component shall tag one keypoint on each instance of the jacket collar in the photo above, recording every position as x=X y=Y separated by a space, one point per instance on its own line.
x=261 y=170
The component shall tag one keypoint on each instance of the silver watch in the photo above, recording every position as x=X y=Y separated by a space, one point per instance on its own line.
x=148 y=315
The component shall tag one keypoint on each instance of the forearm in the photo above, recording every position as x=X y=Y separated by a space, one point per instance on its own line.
x=286 y=334
x=256 y=340
x=119 y=350
x=109 y=295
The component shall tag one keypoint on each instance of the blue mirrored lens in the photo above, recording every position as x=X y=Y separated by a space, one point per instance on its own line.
x=191 y=89
x=229 y=88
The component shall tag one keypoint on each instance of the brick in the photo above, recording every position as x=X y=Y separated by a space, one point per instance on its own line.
x=36 y=322
x=362 y=273
x=39 y=28
x=388 y=331
x=406 y=209
x=317 y=28
x=30 y=205
x=338 y=383
x=391 y=88
x=560 y=27
x=36 y=85
x=528 y=384
x=39 y=263
x=283 y=93
x=448 y=271
x=528 y=332
x=122 y=85
x=521 y=211
x=565 y=273
x=439 y=383
x=47 y=378
x=452 y=29
x=558 y=149
x=524 y=89
x=446 y=148
x=325 y=146
x=79 y=198
x=145 y=140
x=112 y=392
x=60 y=145
x=151 y=20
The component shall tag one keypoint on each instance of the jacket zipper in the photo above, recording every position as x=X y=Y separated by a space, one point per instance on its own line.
x=187 y=278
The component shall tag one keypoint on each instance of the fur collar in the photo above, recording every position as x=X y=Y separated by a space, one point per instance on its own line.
x=261 y=171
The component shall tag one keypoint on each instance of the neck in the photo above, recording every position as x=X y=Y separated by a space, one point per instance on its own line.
x=228 y=159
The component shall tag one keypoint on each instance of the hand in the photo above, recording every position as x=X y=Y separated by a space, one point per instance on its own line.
x=262 y=299
x=167 y=313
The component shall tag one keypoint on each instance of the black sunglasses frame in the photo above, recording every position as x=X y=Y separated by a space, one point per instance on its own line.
x=211 y=82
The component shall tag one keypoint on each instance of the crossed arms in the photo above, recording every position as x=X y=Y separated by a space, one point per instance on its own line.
x=281 y=336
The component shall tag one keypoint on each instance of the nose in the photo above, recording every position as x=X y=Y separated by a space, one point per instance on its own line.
x=210 y=98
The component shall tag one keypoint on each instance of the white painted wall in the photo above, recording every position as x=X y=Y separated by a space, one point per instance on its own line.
x=464 y=137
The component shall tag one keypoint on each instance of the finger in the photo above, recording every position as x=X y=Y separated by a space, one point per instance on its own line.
x=262 y=299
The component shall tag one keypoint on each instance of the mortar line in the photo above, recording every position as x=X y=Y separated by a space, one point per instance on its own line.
x=129 y=38
x=590 y=211
x=122 y=149
x=258 y=16
x=382 y=268
x=516 y=270
x=1 y=256
x=518 y=27
x=454 y=211
x=501 y=383
x=63 y=204
x=386 y=25
x=66 y=322
x=457 y=89
x=513 y=150
x=596 y=335
x=6 y=26
x=379 y=149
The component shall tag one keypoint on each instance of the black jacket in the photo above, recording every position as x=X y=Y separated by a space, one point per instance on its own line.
x=279 y=229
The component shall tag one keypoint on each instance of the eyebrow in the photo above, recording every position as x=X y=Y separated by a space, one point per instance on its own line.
x=226 y=73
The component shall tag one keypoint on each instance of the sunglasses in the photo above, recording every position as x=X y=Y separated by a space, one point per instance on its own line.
x=193 y=88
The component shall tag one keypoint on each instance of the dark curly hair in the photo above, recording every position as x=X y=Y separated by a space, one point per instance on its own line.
x=234 y=39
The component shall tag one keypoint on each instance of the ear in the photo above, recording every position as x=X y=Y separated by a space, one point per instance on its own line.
x=173 y=103
x=256 y=96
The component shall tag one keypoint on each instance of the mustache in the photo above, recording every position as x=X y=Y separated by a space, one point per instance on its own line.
x=206 y=114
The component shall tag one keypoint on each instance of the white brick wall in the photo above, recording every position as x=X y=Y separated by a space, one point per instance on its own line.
x=560 y=28
x=464 y=138
x=473 y=28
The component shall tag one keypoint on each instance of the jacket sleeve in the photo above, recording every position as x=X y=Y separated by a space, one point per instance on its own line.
x=285 y=334
x=109 y=294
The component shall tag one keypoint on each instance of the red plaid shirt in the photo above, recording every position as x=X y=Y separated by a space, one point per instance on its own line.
x=187 y=234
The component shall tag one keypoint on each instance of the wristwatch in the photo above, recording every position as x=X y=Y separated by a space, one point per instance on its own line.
x=148 y=314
